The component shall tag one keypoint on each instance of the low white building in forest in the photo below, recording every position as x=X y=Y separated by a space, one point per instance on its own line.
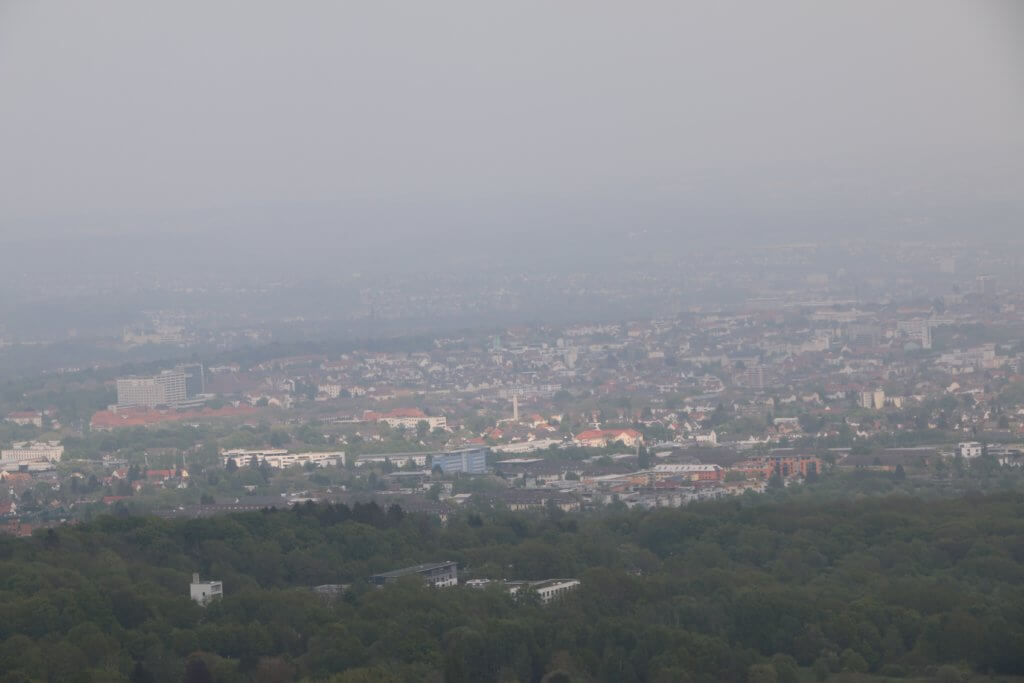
x=204 y=592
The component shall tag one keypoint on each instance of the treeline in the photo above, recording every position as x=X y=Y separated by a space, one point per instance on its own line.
x=740 y=590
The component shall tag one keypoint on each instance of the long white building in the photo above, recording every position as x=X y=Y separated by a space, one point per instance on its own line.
x=280 y=458
x=547 y=590
x=32 y=451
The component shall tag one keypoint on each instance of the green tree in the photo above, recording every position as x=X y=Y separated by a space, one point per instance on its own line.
x=762 y=673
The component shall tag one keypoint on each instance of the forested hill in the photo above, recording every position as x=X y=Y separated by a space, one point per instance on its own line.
x=730 y=591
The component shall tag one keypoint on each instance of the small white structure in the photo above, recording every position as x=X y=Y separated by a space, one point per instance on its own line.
x=205 y=591
x=969 y=449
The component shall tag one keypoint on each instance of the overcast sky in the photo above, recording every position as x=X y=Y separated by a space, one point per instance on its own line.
x=438 y=117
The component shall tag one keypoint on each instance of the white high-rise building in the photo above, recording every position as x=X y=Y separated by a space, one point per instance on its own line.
x=164 y=389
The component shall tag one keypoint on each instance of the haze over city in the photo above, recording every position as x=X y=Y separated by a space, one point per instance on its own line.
x=268 y=130
x=522 y=342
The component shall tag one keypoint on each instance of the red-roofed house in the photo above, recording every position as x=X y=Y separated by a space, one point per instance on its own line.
x=599 y=438
x=26 y=417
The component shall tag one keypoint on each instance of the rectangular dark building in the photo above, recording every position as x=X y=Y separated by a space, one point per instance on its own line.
x=437 y=574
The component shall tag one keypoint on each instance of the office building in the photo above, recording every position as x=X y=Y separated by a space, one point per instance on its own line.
x=436 y=574
x=917 y=330
x=195 y=379
x=280 y=458
x=165 y=389
x=393 y=459
x=466 y=461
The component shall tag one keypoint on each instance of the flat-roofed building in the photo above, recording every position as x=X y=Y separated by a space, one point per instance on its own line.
x=466 y=461
x=195 y=379
x=164 y=389
x=280 y=458
x=694 y=472
x=436 y=574
x=547 y=590
x=205 y=592
x=786 y=465
x=394 y=459
x=407 y=418
x=970 y=449
x=32 y=451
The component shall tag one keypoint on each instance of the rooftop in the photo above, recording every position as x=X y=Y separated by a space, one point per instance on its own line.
x=415 y=569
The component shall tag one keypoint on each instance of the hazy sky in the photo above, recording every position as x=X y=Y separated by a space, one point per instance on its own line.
x=438 y=117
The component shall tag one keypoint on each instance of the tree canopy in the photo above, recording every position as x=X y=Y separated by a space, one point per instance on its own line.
x=744 y=589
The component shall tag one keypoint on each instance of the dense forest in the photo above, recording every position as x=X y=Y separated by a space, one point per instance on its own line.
x=747 y=589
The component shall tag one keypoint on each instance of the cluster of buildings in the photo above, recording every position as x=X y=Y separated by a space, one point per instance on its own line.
x=726 y=375
x=446 y=574
x=674 y=398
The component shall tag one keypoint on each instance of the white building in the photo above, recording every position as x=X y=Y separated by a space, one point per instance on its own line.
x=694 y=472
x=166 y=334
x=280 y=458
x=433 y=422
x=204 y=592
x=548 y=590
x=164 y=389
x=969 y=449
x=872 y=400
x=526 y=446
x=26 y=417
x=330 y=390
x=395 y=459
x=32 y=451
x=709 y=438
x=918 y=330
